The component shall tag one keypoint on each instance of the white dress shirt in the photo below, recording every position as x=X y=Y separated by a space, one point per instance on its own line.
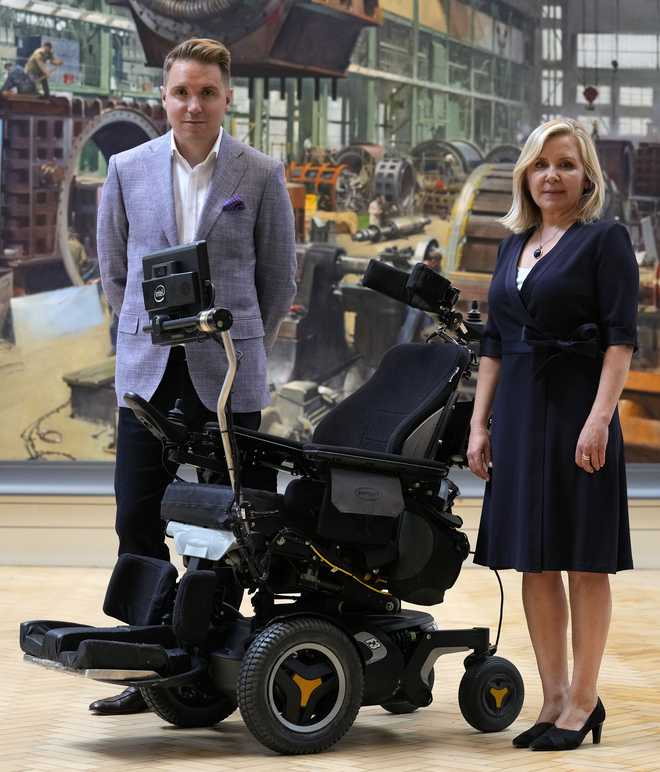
x=191 y=186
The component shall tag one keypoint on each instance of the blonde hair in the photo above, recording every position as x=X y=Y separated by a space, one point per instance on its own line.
x=524 y=213
x=202 y=50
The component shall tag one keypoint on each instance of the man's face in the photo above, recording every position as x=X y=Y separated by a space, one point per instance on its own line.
x=195 y=98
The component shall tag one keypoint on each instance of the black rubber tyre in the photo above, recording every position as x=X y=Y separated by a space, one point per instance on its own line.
x=191 y=705
x=491 y=694
x=300 y=685
x=402 y=707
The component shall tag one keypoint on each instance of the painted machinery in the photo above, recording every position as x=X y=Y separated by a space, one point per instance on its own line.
x=267 y=38
x=44 y=194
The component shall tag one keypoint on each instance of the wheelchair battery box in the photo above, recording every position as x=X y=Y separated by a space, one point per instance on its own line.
x=360 y=507
x=431 y=555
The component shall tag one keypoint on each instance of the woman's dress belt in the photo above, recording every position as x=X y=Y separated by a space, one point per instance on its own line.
x=583 y=341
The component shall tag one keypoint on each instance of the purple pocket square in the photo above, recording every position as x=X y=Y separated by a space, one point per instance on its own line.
x=233 y=204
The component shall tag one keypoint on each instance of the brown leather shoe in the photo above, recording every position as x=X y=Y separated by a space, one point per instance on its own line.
x=129 y=701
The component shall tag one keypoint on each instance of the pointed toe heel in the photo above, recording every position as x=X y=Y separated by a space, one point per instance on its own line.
x=596 y=732
x=556 y=739
x=525 y=739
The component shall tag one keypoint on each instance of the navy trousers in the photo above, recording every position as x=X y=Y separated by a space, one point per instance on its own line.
x=142 y=472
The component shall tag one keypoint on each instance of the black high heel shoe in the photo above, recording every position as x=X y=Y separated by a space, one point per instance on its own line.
x=526 y=738
x=556 y=739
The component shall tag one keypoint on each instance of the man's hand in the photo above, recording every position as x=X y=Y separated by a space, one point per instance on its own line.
x=591 y=445
x=478 y=452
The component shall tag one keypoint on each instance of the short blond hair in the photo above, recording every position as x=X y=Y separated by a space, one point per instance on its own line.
x=202 y=50
x=524 y=213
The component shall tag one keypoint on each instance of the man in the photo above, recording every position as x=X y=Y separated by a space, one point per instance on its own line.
x=37 y=66
x=86 y=267
x=17 y=79
x=376 y=211
x=196 y=182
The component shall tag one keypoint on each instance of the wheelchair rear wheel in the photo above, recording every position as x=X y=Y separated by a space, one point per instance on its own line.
x=491 y=694
x=300 y=685
x=189 y=705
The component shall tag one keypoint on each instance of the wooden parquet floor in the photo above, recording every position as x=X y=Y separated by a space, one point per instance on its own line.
x=45 y=723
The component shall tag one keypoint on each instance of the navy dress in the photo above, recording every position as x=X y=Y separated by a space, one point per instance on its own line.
x=541 y=512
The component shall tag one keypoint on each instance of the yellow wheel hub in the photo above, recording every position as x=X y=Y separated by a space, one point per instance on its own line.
x=499 y=695
x=306 y=686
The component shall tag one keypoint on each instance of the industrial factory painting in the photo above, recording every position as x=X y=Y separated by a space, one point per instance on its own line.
x=398 y=124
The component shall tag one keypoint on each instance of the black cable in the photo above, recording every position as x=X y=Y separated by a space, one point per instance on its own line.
x=584 y=33
x=499 y=624
x=596 y=33
x=618 y=30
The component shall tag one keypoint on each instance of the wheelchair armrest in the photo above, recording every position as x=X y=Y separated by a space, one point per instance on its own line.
x=159 y=425
x=267 y=441
x=249 y=439
x=387 y=463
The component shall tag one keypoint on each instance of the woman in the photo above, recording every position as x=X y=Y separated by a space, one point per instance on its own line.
x=555 y=355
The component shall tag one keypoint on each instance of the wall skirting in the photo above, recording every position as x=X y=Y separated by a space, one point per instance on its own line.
x=59 y=530
x=95 y=478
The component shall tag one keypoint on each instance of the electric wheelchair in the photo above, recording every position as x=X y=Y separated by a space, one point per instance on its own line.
x=365 y=523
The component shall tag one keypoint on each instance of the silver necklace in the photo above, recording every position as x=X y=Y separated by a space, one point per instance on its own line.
x=539 y=250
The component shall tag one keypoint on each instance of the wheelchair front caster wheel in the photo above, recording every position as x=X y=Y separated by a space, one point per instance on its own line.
x=189 y=705
x=300 y=685
x=491 y=694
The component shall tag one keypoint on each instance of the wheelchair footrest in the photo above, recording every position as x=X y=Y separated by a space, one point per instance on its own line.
x=32 y=634
x=108 y=655
x=49 y=640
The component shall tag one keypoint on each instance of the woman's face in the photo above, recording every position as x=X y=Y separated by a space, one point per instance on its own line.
x=556 y=179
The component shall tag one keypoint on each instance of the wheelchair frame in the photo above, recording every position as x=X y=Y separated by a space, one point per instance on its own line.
x=339 y=658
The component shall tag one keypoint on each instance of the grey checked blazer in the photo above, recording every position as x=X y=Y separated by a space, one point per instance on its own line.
x=251 y=253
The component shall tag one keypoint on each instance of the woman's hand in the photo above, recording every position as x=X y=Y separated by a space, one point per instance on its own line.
x=478 y=452
x=591 y=445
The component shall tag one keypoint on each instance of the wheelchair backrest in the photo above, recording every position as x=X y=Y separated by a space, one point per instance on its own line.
x=403 y=405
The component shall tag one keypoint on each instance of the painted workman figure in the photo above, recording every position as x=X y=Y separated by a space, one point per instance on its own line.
x=17 y=80
x=194 y=183
x=37 y=66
